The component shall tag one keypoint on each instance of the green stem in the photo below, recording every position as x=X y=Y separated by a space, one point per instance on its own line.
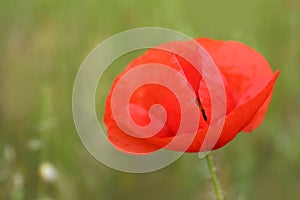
x=214 y=177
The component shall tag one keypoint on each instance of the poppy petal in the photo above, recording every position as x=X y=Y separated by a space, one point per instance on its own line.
x=245 y=70
x=237 y=120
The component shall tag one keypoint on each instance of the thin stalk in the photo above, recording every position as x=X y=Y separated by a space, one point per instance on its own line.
x=214 y=178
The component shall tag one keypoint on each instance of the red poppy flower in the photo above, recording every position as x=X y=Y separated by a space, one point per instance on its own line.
x=248 y=81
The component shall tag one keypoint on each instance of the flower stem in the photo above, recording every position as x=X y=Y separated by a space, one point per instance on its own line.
x=214 y=177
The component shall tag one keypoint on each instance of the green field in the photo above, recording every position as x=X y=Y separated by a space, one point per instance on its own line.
x=43 y=44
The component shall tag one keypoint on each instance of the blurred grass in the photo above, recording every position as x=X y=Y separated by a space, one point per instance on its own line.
x=42 y=46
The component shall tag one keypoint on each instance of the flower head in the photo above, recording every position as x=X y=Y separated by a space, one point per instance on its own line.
x=248 y=83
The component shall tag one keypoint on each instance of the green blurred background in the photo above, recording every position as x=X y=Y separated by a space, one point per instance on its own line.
x=42 y=46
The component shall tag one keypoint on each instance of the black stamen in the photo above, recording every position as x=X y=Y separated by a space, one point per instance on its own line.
x=203 y=114
x=198 y=102
x=201 y=109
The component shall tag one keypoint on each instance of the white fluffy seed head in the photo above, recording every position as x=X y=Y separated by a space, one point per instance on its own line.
x=48 y=172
